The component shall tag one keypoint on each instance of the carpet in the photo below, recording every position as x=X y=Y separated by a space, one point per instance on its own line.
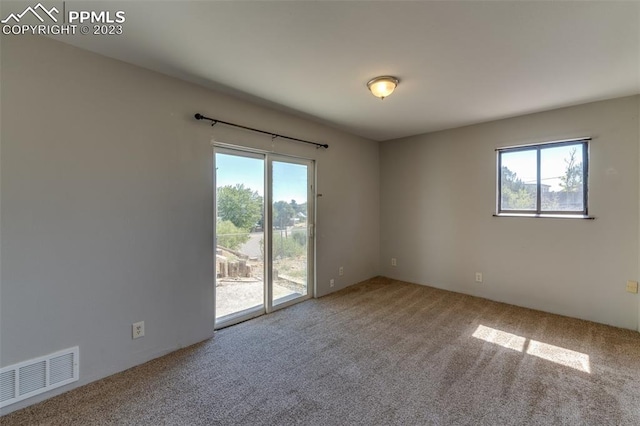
x=381 y=352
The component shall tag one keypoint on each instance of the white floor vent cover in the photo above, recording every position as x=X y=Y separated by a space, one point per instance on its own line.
x=33 y=377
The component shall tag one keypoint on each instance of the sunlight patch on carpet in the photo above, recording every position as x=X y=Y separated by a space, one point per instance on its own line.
x=562 y=356
x=499 y=337
x=566 y=357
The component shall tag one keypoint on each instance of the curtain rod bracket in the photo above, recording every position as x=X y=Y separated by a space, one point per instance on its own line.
x=199 y=116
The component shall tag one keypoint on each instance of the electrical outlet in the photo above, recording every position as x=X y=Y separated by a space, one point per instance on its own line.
x=137 y=329
x=394 y=262
x=478 y=277
x=341 y=271
x=632 y=286
x=332 y=282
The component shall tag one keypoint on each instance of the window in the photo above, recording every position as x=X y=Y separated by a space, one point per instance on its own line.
x=544 y=179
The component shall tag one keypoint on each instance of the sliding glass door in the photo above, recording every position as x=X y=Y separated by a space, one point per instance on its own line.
x=264 y=233
x=239 y=233
x=291 y=229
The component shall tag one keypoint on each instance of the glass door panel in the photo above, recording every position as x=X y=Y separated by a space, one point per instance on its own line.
x=239 y=245
x=290 y=219
x=264 y=208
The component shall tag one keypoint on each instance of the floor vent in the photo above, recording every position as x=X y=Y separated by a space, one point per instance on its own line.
x=33 y=377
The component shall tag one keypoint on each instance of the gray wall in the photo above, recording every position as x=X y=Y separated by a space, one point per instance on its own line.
x=106 y=205
x=106 y=209
x=438 y=194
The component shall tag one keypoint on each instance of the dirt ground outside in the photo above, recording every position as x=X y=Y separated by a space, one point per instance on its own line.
x=235 y=294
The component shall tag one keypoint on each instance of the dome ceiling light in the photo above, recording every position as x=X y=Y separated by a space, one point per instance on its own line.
x=381 y=87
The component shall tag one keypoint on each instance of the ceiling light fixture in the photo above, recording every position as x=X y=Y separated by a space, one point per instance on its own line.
x=381 y=87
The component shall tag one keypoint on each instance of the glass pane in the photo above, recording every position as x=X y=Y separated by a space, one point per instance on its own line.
x=561 y=178
x=239 y=234
x=519 y=177
x=290 y=240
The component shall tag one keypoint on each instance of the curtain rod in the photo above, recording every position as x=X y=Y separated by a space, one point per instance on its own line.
x=214 y=121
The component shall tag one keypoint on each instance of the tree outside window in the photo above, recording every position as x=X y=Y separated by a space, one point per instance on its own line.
x=546 y=178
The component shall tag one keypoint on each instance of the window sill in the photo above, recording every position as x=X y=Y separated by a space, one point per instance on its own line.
x=545 y=216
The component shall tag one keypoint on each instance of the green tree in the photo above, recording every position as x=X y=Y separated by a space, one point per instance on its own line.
x=239 y=205
x=230 y=236
x=572 y=179
x=282 y=214
x=515 y=193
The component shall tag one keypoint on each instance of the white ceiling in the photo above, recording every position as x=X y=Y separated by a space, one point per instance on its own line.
x=458 y=63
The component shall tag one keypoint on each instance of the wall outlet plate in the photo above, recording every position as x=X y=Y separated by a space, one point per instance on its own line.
x=341 y=271
x=478 y=277
x=394 y=261
x=632 y=286
x=137 y=329
x=332 y=282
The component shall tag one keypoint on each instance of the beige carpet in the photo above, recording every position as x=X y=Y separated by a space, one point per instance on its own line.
x=380 y=352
